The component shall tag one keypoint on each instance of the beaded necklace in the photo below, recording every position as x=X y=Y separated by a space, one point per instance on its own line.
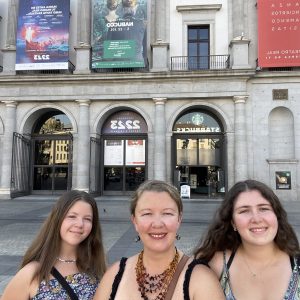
x=154 y=284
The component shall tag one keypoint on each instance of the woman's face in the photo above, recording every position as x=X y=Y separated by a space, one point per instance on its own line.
x=77 y=224
x=156 y=220
x=254 y=219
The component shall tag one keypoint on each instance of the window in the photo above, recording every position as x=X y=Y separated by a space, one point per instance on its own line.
x=198 y=47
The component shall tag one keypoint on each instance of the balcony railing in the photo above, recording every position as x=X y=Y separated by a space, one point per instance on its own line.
x=193 y=63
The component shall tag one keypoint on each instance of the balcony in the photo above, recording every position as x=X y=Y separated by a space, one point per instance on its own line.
x=193 y=63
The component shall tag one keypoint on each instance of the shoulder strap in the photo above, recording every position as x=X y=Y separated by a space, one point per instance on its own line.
x=175 y=277
x=64 y=284
x=118 y=278
x=230 y=259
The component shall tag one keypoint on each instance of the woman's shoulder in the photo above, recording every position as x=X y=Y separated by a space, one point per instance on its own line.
x=217 y=261
x=110 y=279
x=21 y=284
x=203 y=283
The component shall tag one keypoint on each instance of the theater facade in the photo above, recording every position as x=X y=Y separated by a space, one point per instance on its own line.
x=102 y=95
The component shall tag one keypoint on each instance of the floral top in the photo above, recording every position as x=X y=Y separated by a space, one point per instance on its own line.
x=83 y=285
x=292 y=293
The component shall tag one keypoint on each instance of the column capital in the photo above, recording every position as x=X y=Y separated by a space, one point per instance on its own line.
x=240 y=99
x=83 y=102
x=10 y=103
x=160 y=101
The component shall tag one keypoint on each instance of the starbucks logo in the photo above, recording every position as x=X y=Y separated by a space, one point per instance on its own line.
x=197 y=119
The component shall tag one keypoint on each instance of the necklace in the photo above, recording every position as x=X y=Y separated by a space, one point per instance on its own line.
x=154 y=284
x=255 y=274
x=68 y=261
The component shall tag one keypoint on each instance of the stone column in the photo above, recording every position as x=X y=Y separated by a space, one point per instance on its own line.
x=160 y=139
x=240 y=139
x=83 y=146
x=83 y=48
x=9 y=50
x=9 y=129
x=160 y=46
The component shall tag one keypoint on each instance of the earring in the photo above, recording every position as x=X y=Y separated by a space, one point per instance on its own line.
x=137 y=239
x=178 y=237
x=234 y=228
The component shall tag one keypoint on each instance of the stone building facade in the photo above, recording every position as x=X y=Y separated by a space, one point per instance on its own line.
x=205 y=123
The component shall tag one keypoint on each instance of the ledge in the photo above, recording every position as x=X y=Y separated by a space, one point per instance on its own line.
x=282 y=161
x=183 y=8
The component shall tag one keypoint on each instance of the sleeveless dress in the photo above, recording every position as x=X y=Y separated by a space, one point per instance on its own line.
x=83 y=285
x=292 y=293
x=186 y=283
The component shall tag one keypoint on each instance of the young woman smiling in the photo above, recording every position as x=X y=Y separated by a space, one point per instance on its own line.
x=68 y=246
x=156 y=213
x=251 y=246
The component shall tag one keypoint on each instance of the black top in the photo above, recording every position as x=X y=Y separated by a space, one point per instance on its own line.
x=186 y=283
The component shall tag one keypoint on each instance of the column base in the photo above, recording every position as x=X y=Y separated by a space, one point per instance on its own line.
x=160 y=57
x=82 y=64
x=9 y=61
x=5 y=194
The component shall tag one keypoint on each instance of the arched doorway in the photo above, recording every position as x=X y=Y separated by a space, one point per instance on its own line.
x=52 y=153
x=124 y=148
x=198 y=155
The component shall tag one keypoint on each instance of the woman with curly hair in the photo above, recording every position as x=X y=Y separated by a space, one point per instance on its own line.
x=251 y=246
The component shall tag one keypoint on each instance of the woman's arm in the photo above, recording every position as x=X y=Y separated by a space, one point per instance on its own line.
x=105 y=286
x=21 y=284
x=204 y=285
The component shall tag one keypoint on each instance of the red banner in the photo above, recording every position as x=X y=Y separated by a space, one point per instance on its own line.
x=278 y=33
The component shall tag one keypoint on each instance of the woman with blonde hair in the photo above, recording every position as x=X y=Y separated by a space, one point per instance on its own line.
x=160 y=271
x=66 y=259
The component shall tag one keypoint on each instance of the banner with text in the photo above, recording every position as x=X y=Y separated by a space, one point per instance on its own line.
x=43 y=35
x=278 y=33
x=119 y=38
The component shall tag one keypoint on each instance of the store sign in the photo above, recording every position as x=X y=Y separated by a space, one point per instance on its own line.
x=119 y=34
x=125 y=122
x=197 y=122
x=283 y=180
x=278 y=33
x=43 y=35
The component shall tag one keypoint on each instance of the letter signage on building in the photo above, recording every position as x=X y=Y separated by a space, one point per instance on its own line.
x=278 y=33
x=125 y=122
x=43 y=35
x=119 y=34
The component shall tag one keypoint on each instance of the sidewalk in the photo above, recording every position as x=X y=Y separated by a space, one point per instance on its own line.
x=21 y=218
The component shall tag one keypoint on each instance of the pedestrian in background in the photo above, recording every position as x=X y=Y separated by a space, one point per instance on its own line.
x=160 y=271
x=66 y=260
x=251 y=246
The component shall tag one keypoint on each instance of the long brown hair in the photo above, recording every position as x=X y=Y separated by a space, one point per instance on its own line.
x=46 y=246
x=221 y=236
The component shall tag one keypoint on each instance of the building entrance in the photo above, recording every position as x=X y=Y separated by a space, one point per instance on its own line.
x=124 y=153
x=198 y=160
x=52 y=151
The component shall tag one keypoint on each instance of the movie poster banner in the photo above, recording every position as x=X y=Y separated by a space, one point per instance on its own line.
x=119 y=38
x=43 y=35
x=278 y=33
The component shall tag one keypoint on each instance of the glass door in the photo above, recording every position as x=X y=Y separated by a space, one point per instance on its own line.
x=124 y=164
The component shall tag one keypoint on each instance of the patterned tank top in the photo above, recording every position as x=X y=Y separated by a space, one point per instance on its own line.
x=83 y=285
x=292 y=293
